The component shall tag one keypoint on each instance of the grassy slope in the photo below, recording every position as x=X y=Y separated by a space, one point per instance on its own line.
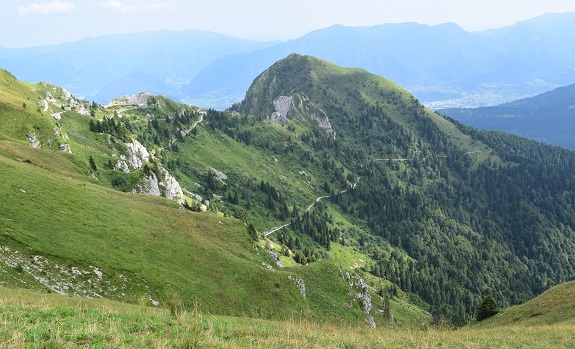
x=555 y=306
x=38 y=320
x=81 y=224
x=203 y=257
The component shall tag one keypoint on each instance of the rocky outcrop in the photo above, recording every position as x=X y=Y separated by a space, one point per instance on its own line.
x=299 y=283
x=140 y=100
x=308 y=108
x=135 y=156
x=136 y=153
x=221 y=176
x=171 y=188
x=286 y=106
x=122 y=165
x=65 y=148
x=149 y=185
x=67 y=279
x=56 y=93
x=34 y=142
x=359 y=292
x=283 y=106
x=166 y=186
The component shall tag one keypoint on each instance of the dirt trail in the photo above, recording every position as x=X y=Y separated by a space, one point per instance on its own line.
x=190 y=129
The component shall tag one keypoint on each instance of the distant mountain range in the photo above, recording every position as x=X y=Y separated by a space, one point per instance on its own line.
x=548 y=117
x=443 y=65
x=106 y=67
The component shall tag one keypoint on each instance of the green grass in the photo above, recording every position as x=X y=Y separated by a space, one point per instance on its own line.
x=52 y=222
x=348 y=258
x=38 y=320
x=204 y=257
x=555 y=306
x=477 y=151
x=64 y=231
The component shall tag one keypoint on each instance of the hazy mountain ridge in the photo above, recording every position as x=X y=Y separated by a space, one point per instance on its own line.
x=104 y=67
x=442 y=65
x=548 y=117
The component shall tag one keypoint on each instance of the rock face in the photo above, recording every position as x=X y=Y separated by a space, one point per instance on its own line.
x=359 y=292
x=172 y=188
x=149 y=186
x=308 y=108
x=167 y=186
x=65 y=148
x=136 y=153
x=71 y=102
x=287 y=106
x=122 y=165
x=283 y=106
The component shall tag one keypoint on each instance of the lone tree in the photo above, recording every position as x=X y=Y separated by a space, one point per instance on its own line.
x=92 y=163
x=487 y=308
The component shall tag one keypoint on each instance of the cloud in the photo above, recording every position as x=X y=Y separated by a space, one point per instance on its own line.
x=45 y=8
x=119 y=6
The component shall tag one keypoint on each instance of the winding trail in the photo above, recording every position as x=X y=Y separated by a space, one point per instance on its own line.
x=316 y=201
x=480 y=152
x=274 y=229
x=193 y=126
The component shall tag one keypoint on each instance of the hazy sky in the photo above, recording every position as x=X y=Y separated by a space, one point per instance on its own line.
x=38 y=22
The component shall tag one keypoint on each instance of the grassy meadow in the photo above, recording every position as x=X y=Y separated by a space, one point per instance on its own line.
x=35 y=320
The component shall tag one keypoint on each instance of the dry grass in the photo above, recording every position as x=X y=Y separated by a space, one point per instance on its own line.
x=30 y=320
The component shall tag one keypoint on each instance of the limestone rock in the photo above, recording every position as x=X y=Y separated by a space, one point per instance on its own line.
x=65 y=148
x=136 y=153
x=34 y=142
x=299 y=283
x=172 y=188
x=140 y=100
x=283 y=106
x=308 y=108
x=122 y=166
x=149 y=186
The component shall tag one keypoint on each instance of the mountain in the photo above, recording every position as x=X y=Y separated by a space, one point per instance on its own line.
x=442 y=65
x=75 y=220
x=548 y=117
x=89 y=67
x=427 y=185
x=378 y=209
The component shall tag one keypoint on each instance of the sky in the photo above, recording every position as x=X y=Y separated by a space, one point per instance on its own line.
x=25 y=23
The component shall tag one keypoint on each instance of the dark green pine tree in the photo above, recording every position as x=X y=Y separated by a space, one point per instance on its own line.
x=487 y=308
x=92 y=163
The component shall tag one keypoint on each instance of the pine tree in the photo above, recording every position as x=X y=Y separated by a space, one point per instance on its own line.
x=487 y=308
x=92 y=163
